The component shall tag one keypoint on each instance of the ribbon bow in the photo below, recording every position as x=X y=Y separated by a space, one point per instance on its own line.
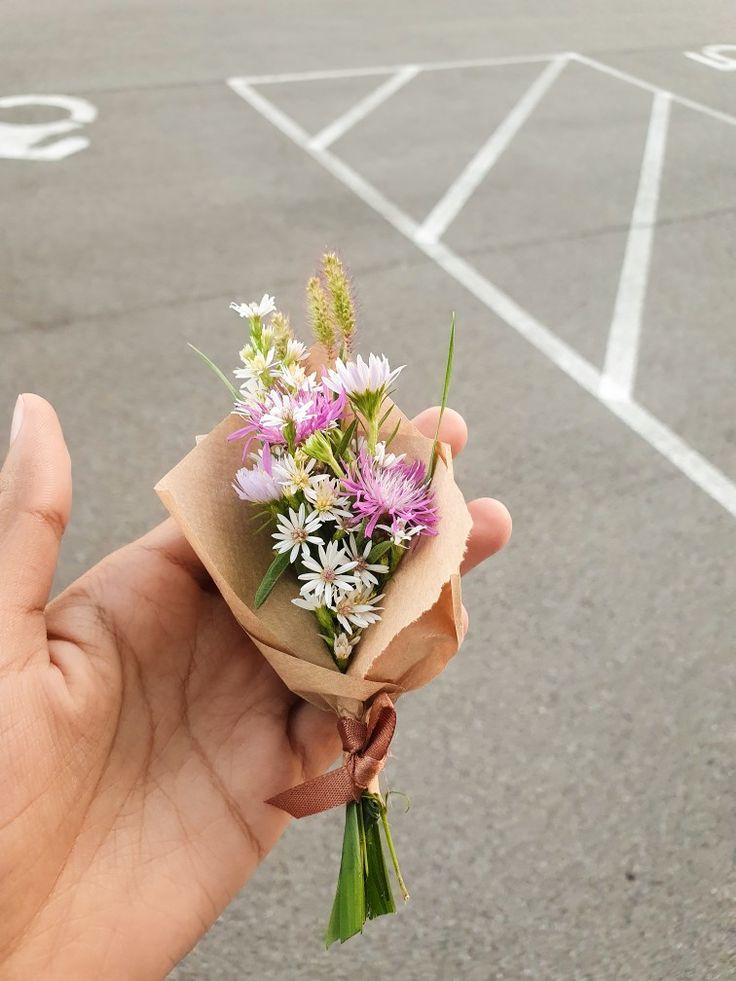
x=365 y=747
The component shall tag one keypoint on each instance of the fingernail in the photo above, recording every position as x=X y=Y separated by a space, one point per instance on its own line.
x=17 y=419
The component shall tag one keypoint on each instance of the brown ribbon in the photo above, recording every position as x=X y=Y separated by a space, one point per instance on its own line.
x=365 y=746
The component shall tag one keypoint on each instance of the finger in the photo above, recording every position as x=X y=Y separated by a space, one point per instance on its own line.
x=453 y=429
x=35 y=502
x=491 y=531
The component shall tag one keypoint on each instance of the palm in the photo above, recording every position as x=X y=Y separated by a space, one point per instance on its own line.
x=187 y=731
x=141 y=733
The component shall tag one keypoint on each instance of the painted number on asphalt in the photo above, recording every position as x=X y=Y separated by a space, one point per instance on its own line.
x=722 y=57
x=27 y=141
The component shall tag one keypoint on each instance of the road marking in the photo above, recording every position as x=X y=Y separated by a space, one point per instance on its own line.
x=19 y=141
x=373 y=197
x=671 y=446
x=330 y=134
x=681 y=100
x=713 y=56
x=430 y=66
x=622 y=350
x=449 y=207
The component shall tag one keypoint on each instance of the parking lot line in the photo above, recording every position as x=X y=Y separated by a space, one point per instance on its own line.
x=672 y=447
x=434 y=66
x=681 y=100
x=461 y=190
x=340 y=126
x=622 y=350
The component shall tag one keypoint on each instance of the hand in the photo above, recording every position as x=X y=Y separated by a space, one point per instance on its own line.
x=140 y=733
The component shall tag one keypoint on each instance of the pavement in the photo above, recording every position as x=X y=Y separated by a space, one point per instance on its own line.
x=571 y=774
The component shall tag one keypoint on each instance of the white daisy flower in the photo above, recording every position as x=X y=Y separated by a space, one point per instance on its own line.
x=307 y=603
x=363 y=570
x=295 y=352
x=282 y=409
x=399 y=534
x=328 y=575
x=359 y=377
x=256 y=364
x=295 y=376
x=254 y=309
x=357 y=608
x=382 y=457
x=294 y=472
x=343 y=645
x=325 y=497
x=296 y=532
x=256 y=485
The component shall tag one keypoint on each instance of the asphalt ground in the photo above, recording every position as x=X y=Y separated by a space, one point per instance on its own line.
x=571 y=774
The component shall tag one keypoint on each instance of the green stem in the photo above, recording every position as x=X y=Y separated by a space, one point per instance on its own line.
x=392 y=853
x=372 y=434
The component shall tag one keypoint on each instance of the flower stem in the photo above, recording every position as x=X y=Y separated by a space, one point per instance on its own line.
x=392 y=853
x=372 y=433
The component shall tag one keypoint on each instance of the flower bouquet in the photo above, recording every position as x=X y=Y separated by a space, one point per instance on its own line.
x=335 y=532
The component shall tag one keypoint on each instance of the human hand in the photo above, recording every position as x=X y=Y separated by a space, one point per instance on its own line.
x=140 y=733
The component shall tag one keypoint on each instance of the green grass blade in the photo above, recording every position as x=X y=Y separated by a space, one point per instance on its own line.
x=378 y=551
x=379 y=899
x=445 y=392
x=392 y=437
x=273 y=573
x=223 y=378
x=345 y=441
x=348 y=909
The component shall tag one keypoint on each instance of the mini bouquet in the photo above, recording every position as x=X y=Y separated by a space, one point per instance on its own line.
x=334 y=531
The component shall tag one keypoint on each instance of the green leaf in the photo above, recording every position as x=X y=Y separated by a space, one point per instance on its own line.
x=379 y=899
x=391 y=438
x=348 y=910
x=345 y=441
x=223 y=378
x=385 y=416
x=372 y=804
x=445 y=392
x=378 y=551
x=274 y=571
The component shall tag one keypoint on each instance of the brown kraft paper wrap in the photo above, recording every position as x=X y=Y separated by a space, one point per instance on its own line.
x=421 y=627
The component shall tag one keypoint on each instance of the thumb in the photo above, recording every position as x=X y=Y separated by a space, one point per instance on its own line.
x=35 y=502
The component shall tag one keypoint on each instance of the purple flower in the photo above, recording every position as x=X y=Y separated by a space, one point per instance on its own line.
x=311 y=409
x=397 y=492
x=256 y=485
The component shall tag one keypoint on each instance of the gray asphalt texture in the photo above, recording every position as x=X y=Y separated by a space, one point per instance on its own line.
x=571 y=774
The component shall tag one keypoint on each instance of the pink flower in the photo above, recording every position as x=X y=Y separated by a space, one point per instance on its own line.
x=397 y=491
x=256 y=485
x=306 y=411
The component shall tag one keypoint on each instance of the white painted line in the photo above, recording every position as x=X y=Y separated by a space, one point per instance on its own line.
x=365 y=191
x=723 y=117
x=713 y=56
x=674 y=449
x=622 y=350
x=431 y=66
x=317 y=76
x=701 y=472
x=340 y=126
x=273 y=114
x=508 y=310
x=458 y=194
x=29 y=141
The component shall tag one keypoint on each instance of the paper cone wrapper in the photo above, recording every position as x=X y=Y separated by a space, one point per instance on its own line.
x=421 y=627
